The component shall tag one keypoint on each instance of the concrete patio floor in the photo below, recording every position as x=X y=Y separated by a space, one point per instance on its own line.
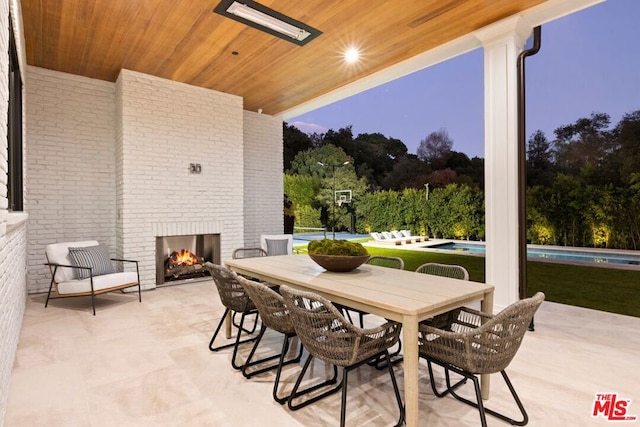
x=148 y=364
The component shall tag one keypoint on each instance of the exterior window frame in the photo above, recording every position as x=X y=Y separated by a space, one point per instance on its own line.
x=14 y=129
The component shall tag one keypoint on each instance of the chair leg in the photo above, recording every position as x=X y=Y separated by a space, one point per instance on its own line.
x=235 y=365
x=49 y=294
x=215 y=334
x=295 y=393
x=276 y=397
x=381 y=362
x=253 y=329
x=397 y=392
x=478 y=404
x=249 y=363
x=343 y=404
x=449 y=388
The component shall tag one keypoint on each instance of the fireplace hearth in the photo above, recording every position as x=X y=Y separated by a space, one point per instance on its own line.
x=182 y=258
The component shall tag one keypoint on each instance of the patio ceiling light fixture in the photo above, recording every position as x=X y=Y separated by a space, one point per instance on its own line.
x=268 y=20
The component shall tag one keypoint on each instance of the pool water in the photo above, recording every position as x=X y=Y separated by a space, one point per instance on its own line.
x=548 y=253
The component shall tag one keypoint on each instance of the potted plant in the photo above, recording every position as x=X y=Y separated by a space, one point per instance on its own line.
x=337 y=255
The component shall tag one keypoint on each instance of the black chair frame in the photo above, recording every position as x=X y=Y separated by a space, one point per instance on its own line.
x=237 y=341
x=450 y=389
x=341 y=386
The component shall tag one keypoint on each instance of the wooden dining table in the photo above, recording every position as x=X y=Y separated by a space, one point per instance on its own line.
x=404 y=296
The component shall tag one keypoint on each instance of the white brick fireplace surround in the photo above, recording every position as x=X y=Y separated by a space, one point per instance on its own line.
x=110 y=161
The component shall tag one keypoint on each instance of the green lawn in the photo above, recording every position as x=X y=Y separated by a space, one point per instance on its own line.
x=605 y=289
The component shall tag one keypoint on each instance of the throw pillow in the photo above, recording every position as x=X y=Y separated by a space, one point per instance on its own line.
x=96 y=257
x=277 y=247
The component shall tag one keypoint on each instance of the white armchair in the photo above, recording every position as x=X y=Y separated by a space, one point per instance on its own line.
x=85 y=269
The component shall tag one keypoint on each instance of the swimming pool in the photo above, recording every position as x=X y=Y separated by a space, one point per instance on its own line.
x=588 y=256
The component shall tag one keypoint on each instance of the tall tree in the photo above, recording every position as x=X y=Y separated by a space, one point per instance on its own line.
x=627 y=137
x=583 y=143
x=294 y=141
x=374 y=155
x=408 y=172
x=435 y=149
x=306 y=162
x=539 y=160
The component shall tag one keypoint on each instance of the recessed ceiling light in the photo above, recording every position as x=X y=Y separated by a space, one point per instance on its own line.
x=352 y=55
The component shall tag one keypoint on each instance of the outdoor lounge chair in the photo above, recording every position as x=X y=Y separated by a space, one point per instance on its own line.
x=85 y=269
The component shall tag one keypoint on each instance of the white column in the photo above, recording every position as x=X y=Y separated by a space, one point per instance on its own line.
x=502 y=44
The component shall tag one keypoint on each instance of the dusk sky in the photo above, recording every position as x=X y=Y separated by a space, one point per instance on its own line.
x=588 y=62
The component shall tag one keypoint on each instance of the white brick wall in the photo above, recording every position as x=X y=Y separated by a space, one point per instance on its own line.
x=110 y=161
x=71 y=163
x=12 y=238
x=12 y=303
x=263 y=182
x=165 y=127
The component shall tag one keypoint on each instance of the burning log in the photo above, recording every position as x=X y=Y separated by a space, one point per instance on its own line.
x=183 y=263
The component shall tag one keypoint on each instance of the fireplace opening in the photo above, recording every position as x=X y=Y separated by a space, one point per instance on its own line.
x=182 y=258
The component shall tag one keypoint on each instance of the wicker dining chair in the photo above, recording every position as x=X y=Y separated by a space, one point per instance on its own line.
x=469 y=343
x=328 y=336
x=444 y=270
x=390 y=262
x=275 y=316
x=382 y=261
x=248 y=253
x=235 y=300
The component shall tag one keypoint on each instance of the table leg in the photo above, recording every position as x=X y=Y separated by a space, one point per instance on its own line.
x=487 y=307
x=227 y=325
x=410 y=363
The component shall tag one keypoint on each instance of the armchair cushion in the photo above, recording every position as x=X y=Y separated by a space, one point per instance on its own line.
x=97 y=257
x=58 y=253
x=100 y=283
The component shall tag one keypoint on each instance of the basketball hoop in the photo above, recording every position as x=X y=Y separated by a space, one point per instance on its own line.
x=342 y=197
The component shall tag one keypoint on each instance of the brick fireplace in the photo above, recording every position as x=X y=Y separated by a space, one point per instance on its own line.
x=163 y=129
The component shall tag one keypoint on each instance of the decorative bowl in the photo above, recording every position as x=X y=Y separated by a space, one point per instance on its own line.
x=339 y=263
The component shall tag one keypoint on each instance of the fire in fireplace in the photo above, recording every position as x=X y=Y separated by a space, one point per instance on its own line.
x=183 y=264
x=180 y=258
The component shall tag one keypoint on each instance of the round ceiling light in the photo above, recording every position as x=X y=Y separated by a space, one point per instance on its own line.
x=351 y=55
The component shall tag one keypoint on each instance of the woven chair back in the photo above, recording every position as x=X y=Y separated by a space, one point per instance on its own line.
x=327 y=335
x=444 y=270
x=248 y=253
x=485 y=344
x=387 y=261
x=232 y=294
x=270 y=304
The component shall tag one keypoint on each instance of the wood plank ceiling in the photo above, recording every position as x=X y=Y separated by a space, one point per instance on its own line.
x=184 y=41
